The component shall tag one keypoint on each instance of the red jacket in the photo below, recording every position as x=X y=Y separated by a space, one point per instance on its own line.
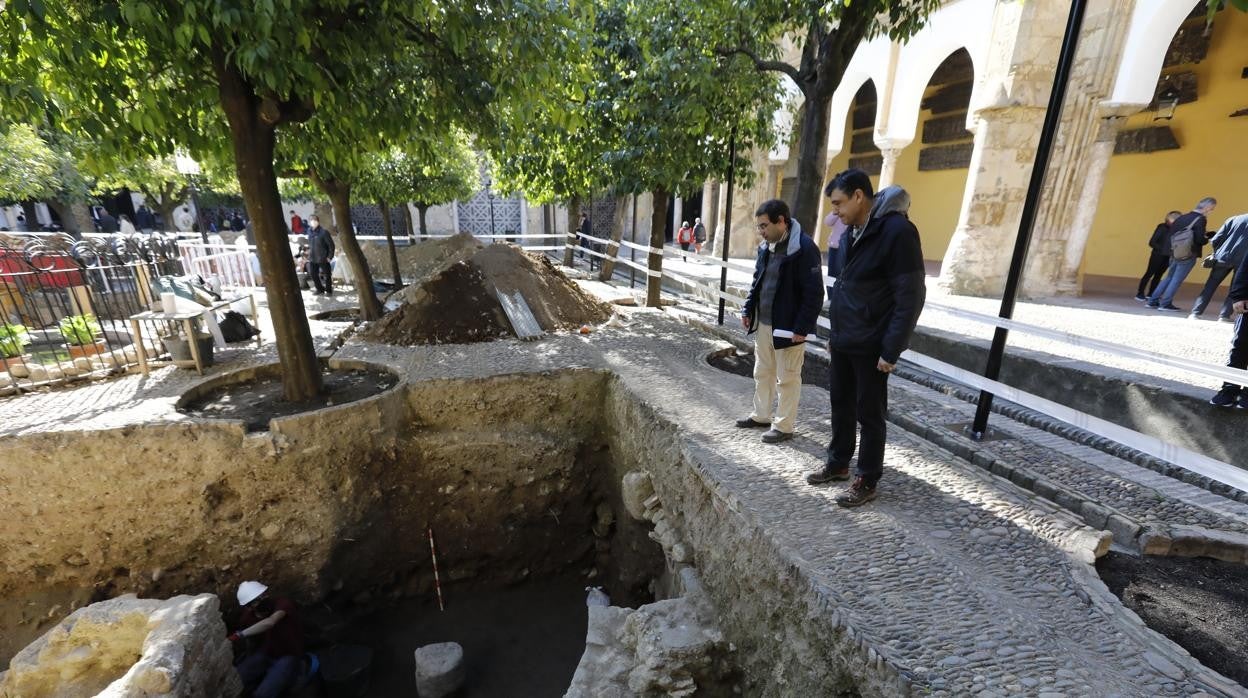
x=685 y=236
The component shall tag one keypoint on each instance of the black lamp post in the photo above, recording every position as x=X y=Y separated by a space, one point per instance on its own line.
x=490 y=193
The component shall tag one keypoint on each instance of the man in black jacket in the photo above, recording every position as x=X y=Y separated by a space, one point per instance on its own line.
x=783 y=308
x=1158 y=257
x=320 y=251
x=873 y=308
x=1193 y=221
x=1231 y=394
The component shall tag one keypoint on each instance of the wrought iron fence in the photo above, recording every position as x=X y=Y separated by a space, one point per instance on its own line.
x=64 y=304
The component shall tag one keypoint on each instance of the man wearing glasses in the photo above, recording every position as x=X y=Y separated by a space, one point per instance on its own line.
x=782 y=308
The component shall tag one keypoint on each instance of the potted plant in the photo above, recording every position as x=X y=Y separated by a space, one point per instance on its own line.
x=83 y=335
x=13 y=341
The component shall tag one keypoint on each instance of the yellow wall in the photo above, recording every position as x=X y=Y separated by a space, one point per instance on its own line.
x=935 y=198
x=1212 y=161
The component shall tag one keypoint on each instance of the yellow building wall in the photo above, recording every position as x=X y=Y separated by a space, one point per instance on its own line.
x=1212 y=161
x=935 y=198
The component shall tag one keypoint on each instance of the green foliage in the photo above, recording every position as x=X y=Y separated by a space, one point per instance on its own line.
x=28 y=166
x=80 y=330
x=13 y=339
x=428 y=173
x=653 y=115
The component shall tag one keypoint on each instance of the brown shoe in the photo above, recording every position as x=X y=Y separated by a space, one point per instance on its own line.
x=859 y=493
x=828 y=473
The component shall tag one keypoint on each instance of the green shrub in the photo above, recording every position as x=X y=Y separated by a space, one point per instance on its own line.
x=13 y=340
x=80 y=329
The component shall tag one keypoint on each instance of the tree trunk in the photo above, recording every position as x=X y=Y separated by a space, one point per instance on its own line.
x=324 y=211
x=613 y=247
x=812 y=160
x=69 y=213
x=408 y=225
x=574 y=222
x=253 y=141
x=658 y=219
x=31 y=214
x=423 y=209
x=165 y=209
x=394 y=254
x=339 y=194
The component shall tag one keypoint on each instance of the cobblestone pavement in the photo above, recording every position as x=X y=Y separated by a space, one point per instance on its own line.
x=956 y=579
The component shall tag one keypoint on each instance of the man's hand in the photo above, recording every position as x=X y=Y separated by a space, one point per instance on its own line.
x=234 y=637
x=799 y=338
x=745 y=322
x=1240 y=307
x=884 y=367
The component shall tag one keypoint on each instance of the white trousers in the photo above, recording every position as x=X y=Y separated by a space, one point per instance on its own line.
x=776 y=371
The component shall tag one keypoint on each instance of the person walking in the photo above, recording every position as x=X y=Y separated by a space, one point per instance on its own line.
x=145 y=220
x=320 y=252
x=873 y=309
x=1231 y=246
x=684 y=238
x=273 y=666
x=781 y=310
x=296 y=224
x=1158 y=257
x=1232 y=395
x=1187 y=240
x=125 y=227
x=108 y=224
x=699 y=235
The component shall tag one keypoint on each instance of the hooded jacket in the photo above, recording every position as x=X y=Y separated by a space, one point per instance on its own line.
x=879 y=291
x=1231 y=241
x=799 y=291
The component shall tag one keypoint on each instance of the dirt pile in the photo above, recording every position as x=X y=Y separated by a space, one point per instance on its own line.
x=422 y=259
x=458 y=304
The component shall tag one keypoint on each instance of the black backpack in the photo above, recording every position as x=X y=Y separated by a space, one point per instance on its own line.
x=235 y=328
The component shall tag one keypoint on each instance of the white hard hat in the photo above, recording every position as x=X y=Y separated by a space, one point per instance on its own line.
x=250 y=591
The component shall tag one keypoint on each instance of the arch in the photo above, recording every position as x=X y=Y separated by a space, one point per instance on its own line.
x=1153 y=25
x=870 y=62
x=947 y=31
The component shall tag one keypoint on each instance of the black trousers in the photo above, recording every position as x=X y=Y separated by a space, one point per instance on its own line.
x=1216 y=275
x=322 y=276
x=1239 y=349
x=1157 y=265
x=859 y=393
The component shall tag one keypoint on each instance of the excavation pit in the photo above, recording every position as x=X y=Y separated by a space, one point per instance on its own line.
x=514 y=476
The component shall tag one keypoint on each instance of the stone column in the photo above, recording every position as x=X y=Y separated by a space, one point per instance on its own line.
x=744 y=241
x=890 y=149
x=1081 y=154
x=710 y=210
x=1011 y=98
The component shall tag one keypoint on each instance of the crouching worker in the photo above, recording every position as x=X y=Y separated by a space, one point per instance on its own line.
x=272 y=663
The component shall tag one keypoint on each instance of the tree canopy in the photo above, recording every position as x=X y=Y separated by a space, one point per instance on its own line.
x=28 y=167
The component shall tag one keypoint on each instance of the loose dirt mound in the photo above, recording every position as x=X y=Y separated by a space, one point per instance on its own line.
x=458 y=305
x=423 y=259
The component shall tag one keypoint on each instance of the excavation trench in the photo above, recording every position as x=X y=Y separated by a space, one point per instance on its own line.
x=514 y=476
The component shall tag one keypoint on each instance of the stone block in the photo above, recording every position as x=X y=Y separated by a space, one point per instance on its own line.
x=1145 y=140
x=1154 y=543
x=130 y=647
x=1225 y=545
x=1187 y=542
x=1124 y=530
x=871 y=164
x=439 y=669
x=635 y=489
x=1094 y=514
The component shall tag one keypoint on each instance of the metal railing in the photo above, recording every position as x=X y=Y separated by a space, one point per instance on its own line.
x=64 y=303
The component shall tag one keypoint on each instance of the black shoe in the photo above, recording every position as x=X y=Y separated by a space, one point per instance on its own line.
x=1172 y=308
x=750 y=423
x=775 y=436
x=1224 y=318
x=828 y=473
x=1242 y=402
x=1152 y=304
x=858 y=494
x=1140 y=297
x=1227 y=397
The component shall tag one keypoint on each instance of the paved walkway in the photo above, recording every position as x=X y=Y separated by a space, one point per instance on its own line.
x=1120 y=320
x=957 y=580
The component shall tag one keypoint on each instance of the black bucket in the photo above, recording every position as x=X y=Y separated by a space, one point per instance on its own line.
x=345 y=670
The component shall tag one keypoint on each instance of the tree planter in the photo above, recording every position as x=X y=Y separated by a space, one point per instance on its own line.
x=180 y=350
x=77 y=351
